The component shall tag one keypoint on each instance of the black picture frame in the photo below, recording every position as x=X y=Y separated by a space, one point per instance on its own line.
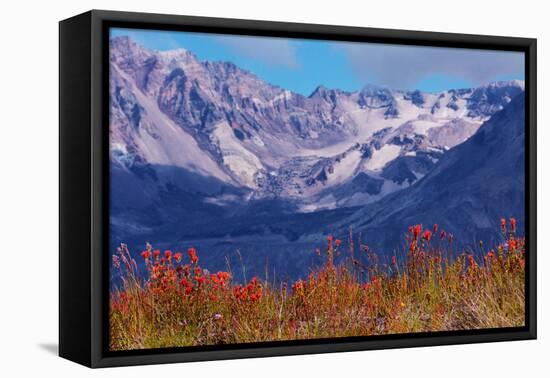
x=84 y=204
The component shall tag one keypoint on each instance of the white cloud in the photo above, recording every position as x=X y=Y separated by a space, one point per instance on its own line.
x=274 y=51
x=399 y=66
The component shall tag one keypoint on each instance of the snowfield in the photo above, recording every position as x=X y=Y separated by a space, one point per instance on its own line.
x=383 y=156
x=243 y=163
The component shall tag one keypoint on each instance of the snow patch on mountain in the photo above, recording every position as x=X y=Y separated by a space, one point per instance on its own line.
x=236 y=157
x=383 y=156
x=344 y=167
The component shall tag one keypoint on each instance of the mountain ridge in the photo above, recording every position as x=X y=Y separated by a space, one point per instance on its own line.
x=250 y=128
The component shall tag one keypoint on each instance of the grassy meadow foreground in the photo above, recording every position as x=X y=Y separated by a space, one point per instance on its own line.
x=426 y=289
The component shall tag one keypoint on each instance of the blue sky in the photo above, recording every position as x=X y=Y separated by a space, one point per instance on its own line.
x=301 y=65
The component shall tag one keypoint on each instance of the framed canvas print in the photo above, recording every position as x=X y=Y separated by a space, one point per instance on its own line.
x=234 y=188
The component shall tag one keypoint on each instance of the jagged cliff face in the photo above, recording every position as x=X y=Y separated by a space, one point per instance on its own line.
x=207 y=151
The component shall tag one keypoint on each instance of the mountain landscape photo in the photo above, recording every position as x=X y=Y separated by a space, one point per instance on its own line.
x=214 y=156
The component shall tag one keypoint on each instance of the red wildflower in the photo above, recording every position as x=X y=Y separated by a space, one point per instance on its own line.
x=145 y=254
x=177 y=256
x=192 y=252
x=257 y=295
x=442 y=235
x=298 y=286
x=168 y=254
x=338 y=242
x=491 y=254
x=238 y=292
x=223 y=276
x=427 y=235
x=416 y=230
x=503 y=225
x=156 y=253
x=188 y=285
x=186 y=269
x=394 y=260
x=512 y=244
x=435 y=228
